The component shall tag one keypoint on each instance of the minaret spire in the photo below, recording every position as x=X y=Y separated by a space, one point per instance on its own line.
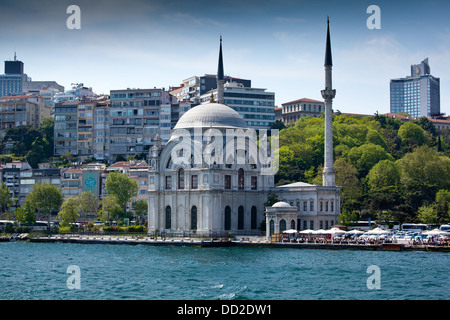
x=220 y=76
x=328 y=94
x=328 y=58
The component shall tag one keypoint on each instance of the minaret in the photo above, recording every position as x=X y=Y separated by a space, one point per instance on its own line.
x=220 y=76
x=328 y=94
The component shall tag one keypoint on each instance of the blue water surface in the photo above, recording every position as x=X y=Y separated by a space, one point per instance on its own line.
x=30 y=271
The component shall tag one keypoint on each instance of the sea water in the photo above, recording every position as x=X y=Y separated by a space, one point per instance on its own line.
x=31 y=271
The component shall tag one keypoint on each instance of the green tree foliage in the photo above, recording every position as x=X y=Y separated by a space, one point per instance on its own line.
x=110 y=209
x=5 y=198
x=69 y=212
x=423 y=173
x=45 y=198
x=412 y=135
x=140 y=208
x=385 y=166
x=122 y=187
x=25 y=214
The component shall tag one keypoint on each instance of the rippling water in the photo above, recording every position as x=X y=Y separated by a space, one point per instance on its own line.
x=31 y=271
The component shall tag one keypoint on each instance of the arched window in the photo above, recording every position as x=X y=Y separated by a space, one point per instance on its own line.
x=241 y=179
x=253 y=218
x=227 y=218
x=194 y=218
x=240 y=218
x=181 y=178
x=168 y=217
x=272 y=227
x=282 y=225
x=293 y=224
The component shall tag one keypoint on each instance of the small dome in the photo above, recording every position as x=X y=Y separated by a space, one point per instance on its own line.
x=281 y=204
x=214 y=115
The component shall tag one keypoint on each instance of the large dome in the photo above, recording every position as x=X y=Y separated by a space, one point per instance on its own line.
x=211 y=115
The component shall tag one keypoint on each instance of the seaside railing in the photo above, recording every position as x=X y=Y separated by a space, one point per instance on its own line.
x=165 y=235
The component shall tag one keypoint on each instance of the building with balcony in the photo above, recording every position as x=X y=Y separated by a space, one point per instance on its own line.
x=66 y=121
x=191 y=89
x=23 y=110
x=292 y=111
x=136 y=116
x=256 y=106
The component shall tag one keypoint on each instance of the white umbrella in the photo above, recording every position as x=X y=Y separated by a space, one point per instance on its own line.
x=377 y=231
x=355 y=231
x=335 y=231
x=308 y=231
x=320 y=231
x=290 y=231
x=436 y=232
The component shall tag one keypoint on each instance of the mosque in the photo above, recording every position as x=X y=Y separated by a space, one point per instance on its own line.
x=213 y=178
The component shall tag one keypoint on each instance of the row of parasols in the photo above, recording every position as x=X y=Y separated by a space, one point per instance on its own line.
x=376 y=231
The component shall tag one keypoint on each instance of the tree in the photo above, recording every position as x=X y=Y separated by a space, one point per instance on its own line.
x=5 y=198
x=45 y=198
x=141 y=209
x=422 y=174
x=87 y=203
x=110 y=208
x=122 y=187
x=443 y=206
x=25 y=214
x=37 y=152
x=69 y=212
x=347 y=179
x=412 y=135
x=22 y=138
x=383 y=182
x=366 y=156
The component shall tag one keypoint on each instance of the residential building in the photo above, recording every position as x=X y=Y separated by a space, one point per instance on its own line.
x=20 y=110
x=11 y=176
x=78 y=92
x=66 y=118
x=71 y=182
x=418 y=94
x=85 y=125
x=194 y=87
x=256 y=106
x=292 y=111
x=46 y=172
x=101 y=130
x=136 y=115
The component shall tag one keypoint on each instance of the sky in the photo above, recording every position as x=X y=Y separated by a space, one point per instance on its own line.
x=279 y=45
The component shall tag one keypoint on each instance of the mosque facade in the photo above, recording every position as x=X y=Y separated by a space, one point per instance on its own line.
x=215 y=175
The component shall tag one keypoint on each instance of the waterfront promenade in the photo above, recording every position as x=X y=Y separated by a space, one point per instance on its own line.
x=242 y=242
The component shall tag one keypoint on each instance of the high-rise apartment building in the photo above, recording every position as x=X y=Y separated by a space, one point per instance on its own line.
x=136 y=116
x=418 y=95
x=255 y=105
x=22 y=110
x=194 y=87
x=66 y=118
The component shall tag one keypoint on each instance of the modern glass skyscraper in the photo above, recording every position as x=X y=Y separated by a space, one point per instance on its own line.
x=417 y=95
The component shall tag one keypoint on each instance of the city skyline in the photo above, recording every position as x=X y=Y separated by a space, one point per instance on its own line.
x=279 y=46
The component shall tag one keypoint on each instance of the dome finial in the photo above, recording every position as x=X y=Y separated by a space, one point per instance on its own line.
x=211 y=99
